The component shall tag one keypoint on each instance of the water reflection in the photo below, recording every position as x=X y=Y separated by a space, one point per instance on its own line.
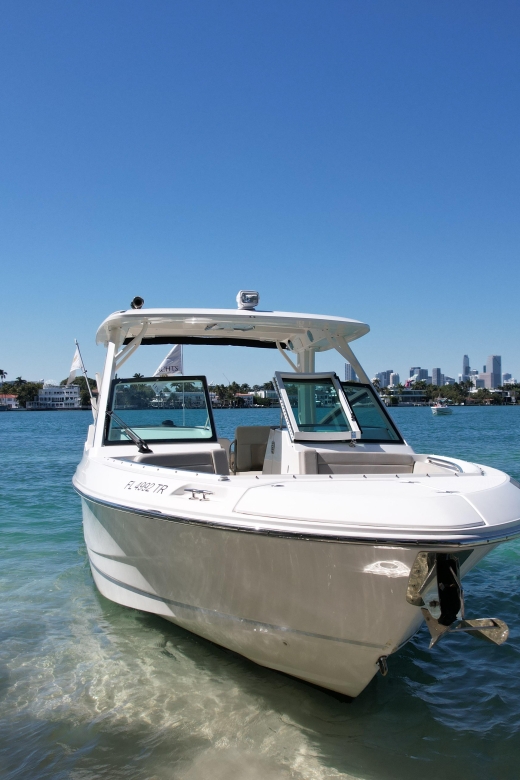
x=108 y=692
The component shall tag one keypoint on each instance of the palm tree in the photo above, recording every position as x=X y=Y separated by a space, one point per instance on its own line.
x=138 y=376
x=232 y=389
x=3 y=375
x=20 y=381
x=220 y=390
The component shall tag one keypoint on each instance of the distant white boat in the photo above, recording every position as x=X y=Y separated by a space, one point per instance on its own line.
x=441 y=409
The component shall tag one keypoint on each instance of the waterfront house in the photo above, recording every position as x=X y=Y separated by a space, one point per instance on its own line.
x=53 y=396
x=405 y=397
x=244 y=399
x=8 y=401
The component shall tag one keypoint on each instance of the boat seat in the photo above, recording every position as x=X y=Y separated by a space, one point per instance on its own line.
x=249 y=447
x=207 y=462
x=326 y=462
x=226 y=446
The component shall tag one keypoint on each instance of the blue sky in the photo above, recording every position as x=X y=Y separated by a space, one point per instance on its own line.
x=350 y=158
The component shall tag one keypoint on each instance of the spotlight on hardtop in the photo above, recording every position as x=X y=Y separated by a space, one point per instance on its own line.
x=137 y=303
x=248 y=299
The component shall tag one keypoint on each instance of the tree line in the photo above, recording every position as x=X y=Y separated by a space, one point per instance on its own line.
x=227 y=393
x=28 y=391
x=458 y=393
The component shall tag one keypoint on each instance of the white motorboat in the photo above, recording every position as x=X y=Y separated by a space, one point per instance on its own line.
x=440 y=408
x=316 y=548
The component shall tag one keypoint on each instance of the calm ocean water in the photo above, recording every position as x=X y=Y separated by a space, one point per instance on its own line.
x=91 y=690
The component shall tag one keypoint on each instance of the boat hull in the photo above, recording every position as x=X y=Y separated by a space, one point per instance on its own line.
x=323 y=611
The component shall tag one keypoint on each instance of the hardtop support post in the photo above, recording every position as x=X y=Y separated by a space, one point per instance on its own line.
x=342 y=346
x=103 y=396
x=306 y=361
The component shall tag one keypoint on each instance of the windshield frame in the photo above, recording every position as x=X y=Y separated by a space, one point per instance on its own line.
x=192 y=378
x=295 y=432
x=383 y=410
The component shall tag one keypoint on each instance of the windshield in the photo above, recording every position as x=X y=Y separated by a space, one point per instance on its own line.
x=160 y=409
x=373 y=419
x=316 y=406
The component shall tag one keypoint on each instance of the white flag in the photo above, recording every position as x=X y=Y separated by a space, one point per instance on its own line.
x=172 y=363
x=76 y=366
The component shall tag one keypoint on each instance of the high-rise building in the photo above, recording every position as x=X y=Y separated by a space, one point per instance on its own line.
x=394 y=379
x=384 y=377
x=418 y=374
x=350 y=374
x=465 y=368
x=449 y=380
x=494 y=367
x=472 y=374
x=437 y=377
x=506 y=378
x=492 y=374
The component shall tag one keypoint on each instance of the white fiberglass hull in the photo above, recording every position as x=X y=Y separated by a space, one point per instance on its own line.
x=323 y=611
x=330 y=541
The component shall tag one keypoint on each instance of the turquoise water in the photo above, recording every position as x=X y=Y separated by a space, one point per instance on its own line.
x=89 y=689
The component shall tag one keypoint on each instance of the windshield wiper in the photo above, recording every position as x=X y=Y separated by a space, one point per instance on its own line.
x=142 y=446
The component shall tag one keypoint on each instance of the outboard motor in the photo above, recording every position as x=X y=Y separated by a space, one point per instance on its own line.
x=435 y=586
x=451 y=595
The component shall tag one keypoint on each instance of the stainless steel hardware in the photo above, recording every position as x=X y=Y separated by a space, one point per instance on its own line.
x=197 y=494
x=446 y=464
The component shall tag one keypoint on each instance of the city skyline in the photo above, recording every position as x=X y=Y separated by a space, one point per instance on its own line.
x=384 y=377
x=489 y=378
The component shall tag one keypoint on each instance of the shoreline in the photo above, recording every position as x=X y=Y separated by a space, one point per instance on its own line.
x=256 y=408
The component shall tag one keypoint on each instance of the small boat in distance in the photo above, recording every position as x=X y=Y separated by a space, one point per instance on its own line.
x=440 y=408
x=317 y=546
